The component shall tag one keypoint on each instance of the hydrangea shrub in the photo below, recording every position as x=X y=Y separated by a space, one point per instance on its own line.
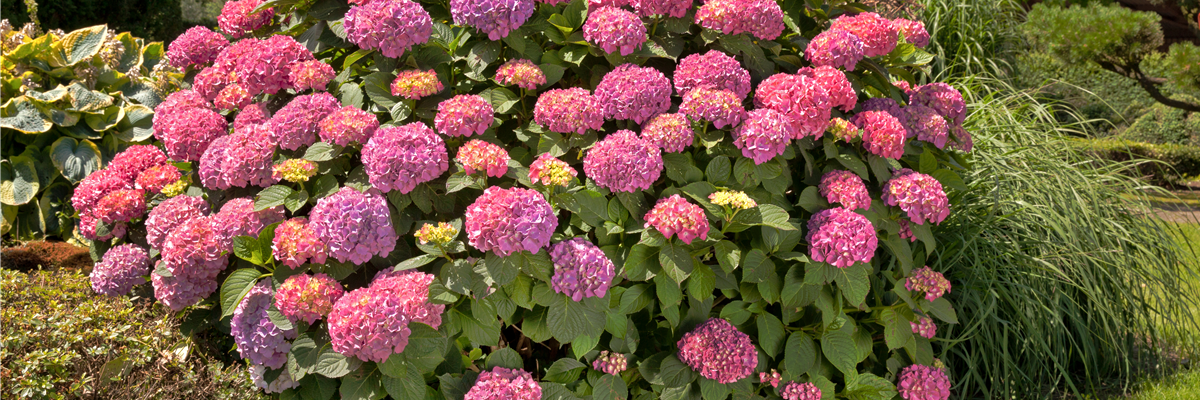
x=553 y=199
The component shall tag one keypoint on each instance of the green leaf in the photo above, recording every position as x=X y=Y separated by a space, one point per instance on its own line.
x=702 y=282
x=942 y=309
x=838 y=347
x=564 y=370
x=138 y=124
x=415 y=262
x=501 y=99
x=667 y=290
x=949 y=179
x=728 y=255
x=854 y=283
x=327 y=185
x=86 y=100
x=758 y=268
x=719 y=170
x=235 y=288
x=770 y=334
x=18 y=181
x=505 y=357
x=407 y=383
x=79 y=45
x=248 y=248
x=853 y=163
x=23 y=116
x=273 y=196
x=680 y=168
x=583 y=344
x=896 y=329
x=362 y=387
x=335 y=365
x=425 y=350
x=676 y=261
x=674 y=373
x=504 y=269
x=110 y=117
x=800 y=354
x=296 y=200
x=711 y=390
x=765 y=215
x=609 y=387
x=378 y=86
x=321 y=151
x=568 y=319
x=869 y=387
x=591 y=206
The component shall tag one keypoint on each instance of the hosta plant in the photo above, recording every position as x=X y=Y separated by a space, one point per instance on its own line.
x=562 y=199
x=71 y=102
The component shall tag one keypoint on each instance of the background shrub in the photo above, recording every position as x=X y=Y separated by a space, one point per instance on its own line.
x=151 y=19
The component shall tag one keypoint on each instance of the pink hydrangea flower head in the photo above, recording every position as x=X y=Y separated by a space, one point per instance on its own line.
x=121 y=268
x=307 y=297
x=296 y=243
x=844 y=130
x=253 y=114
x=924 y=327
x=943 y=98
x=718 y=351
x=210 y=81
x=196 y=46
x=495 y=17
x=480 y=156
x=841 y=93
x=925 y=124
x=294 y=170
x=131 y=162
x=392 y=26
x=266 y=69
x=283 y=382
x=906 y=230
x=800 y=391
x=914 y=31
x=926 y=280
x=919 y=195
x=904 y=86
x=623 y=162
x=551 y=171
x=670 y=132
x=368 y=324
x=885 y=104
x=760 y=18
x=121 y=206
x=568 y=110
x=177 y=103
x=841 y=237
x=464 y=115
x=611 y=363
x=179 y=292
x=88 y=225
x=520 y=72
x=410 y=288
x=194 y=253
x=238 y=218
x=348 y=125
x=237 y=18
x=354 y=225
x=580 y=269
x=506 y=221
x=597 y=4
x=154 y=179
x=920 y=382
x=670 y=8
x=414 y=84
x=715 y=69
x=242 y=159
x=171 y=213
x=877 y=33
x=676 y=216
x=232 y=97
x=633 y=93
x=258 y=339
x=835 y=48
x=962 y=139
x=883 y=135
x=95 y=186
x=310 y=74
x=552 y=2
x=440 y=234
x=845 y=188
x=401 y=157
x=504 y=384
x=800 y=97
x=719 y=106
x=297 y=123
x=735 y=200
x=772 y=378
x=764 y=134
x=186 y=134
x=614 y=30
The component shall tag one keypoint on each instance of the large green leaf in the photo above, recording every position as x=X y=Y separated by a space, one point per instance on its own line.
x=103 y=121
x=79 y=45
x=23 y=116
x=75 y=159
x=838 y=347
x=18 y=181
x=235 y=288
x=86 y=100
x=137 y=125
x=568 y=319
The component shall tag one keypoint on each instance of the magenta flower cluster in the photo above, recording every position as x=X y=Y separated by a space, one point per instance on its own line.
x=354 y=225
x=928 y=281
x=267 y=66
x=132 y=161
x=390 y=26
x=121 y=206
x=914 y=31
x=238 y=218
x=841 y=93
x=581 y=269
x=307 y=297
x=411 y=289
x=237 y=18
x=568 y=110
x=371 y=323
x=504 y=384
x=495 y=17
x=415 y=84
x=764 y=135
x=801 y=98
x=154 y=179
x=258 y=339
x=925 y=124
x=719 y=106
x=121 y=268
x=311 y=74
x=674 y=215
x=480 y=156
x=401 y=157
x=883 y=135
x=551 y=171
x=841 y=237
x=924 y=327
x=670 y=8
x=919 y=195
x=295 y=243
x=714 y=68
x=505 y=221
x=614 y=30
x=464 y=115
x=800 y=391
x=186 y=124
x=522 y=73
x=348 y=125
x=296 y=124
x=630 y=92
x=878 y=35
x=611 y=363
x=834 y=48
x=171 y=213
x=197 y=46
x=718 y=351
x=242 y=159
x=193 y=253
x=845 y=188
x=623 y=162
x=761 y=18
x=670 y=132
x=921 y=382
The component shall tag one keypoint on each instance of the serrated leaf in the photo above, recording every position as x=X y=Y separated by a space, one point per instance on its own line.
x=609 y=387
x=505 y=357
x=800 y=354
x=896 y=329
x=568 y=319
x=564 y=370
x=854 y=282
x=335 y=365
x=362 y=387
x=235 y=288
x=942 y=309
x=273 y=196
x=758 y=267
x=674 y=373
x=321 y=151
x=838 y=347
x=771 y=334
x=869 y=387
x=676 y=261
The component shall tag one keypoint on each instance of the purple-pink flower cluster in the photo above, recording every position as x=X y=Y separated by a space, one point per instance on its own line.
x=193 y=253
x=714 y=68
x=186 y=124
x=307 y=297
x=800 y=97
x=611 y=363
x=719 y=106
x=568 y=110
x=924 y=327
x=520 y=72
x=914 y=31
x=371 y=323
x=925 y=124
x=297 y=123
x=671 y=8
x=121 y=268
x=670 y=132
x=676 y=216
x=480 y=156
x=943 y=98
x=772 y=378
x=581 y=269
x=878 y=35
x=835 y=48
x=411 y=289
x=926 y=280
x=464 y=115
x=391 y=26
x=764 y=135
x=844 y=130
x=921 y=382
x=919 y=195
x=258 y=339
x=196 y=46
x=841 y=237
x=154 y=179
x=171 y=213
x=623 y=162
x=238 y=218
x=718 y=351
x=232 y=97
x=242 y=159
x=401 y=157
x=121 y=206
x=415 y=84
x=551 y=171
x=131 y=162
x=354 y=225
x=800 y=391
x=633 y=93
x=761 y=18
x=495 y=17
x=311 y=74
x=348 y=125
x=237 y=18
x=614 y=30
x=505 y=221
x=504 y=384
x=295 y=243
x=841 y=93
x=845 y=188
x=267 y=65
x=883 y=134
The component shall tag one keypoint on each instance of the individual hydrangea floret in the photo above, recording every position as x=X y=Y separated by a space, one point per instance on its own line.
x=171 y=213
x=670 y=8
x=232 y=97
x=771 y=378
x=841 y=237
x=914 y=31
x=294 y=170
x=877 y=33
x=296 y=243
x=596 y=4
x=719 y=106
x=197 y=46
x=238 y=18
x=239 y=160
x=841 y=93
x=410 y=288
x=919 y=195
x=800 y=391
x=186 y=134
x=581 y=269
x=943 y=98
x=925 y=124
x=736 y=200
x=238 y=218
x=283 y=382
x=630 y=92
x=920 y=382
x=495 y=17
x=764 y=135
x=354 y=225
x=297 y=123
x=440 y=234
x=266 y=68
x=311 y=74
x=505 y=221
x=906 y=230
x=401 y=157
x=568 y=110
x=415 y=84
x=551 y=171
x=713 y=68
x=760 y=18
x=368 y=325
x=614 y=30
x=348 y=125
x=391 y=26
x=154 y=179
x=258 y=339
x=480 y=156
x=718 y=351
x=924 y=327
x=623 y=162
x=307 y=297
x=611 y=363
x=504 y=384
x=464 y=115
x=883 y=135
x=844 y=130
x=121 y=206
x=801 y=98
x=676 y=216
x=845 y=188
x=121 y=268
x=835 y=48
x=133 y=161
x=928 y=281
x=671 y=132
x=522 y=73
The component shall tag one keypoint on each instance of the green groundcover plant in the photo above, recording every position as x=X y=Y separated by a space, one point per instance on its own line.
x=649 y=200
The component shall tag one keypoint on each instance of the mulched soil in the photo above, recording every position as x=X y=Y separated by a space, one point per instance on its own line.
x=47 y=255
